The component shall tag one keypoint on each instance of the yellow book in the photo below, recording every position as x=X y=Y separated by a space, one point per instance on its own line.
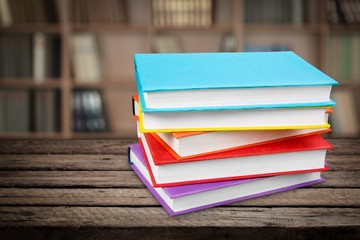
x=226 y=120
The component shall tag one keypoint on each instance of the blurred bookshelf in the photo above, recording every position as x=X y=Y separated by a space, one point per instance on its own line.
x=70 y=62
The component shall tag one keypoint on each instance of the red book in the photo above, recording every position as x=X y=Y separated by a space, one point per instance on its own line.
x=298 y=155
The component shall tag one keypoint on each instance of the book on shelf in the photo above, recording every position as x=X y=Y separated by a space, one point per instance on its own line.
x=332 y=11
x=31 y=11
x=166 y=43
x=177 y=13
x=14 y=111
x=298 y=155
x=86 y=60
x=5 y=16
x=46 y=103
x=345 y=117
x=46 y=56
x=343 y=11
x=16 y=53
x=278 y=12
x=89 y=114
x=228 y=43
x=342 y=57
x=29 y=111
x=295 y=12
x=30 y=56
x=266 y=47
x=184 y=199
x=107 y=12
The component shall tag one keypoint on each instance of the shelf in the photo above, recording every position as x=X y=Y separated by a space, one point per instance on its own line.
x=211 y=29
x=342 y=28
x=102 y=135
x=29 y=28
x=111 y=28
x=29 y=83
x=349 y=84
x=58 y=135
x=140 y=34
x=31 y=135
x=282 y=28
x=108 y=84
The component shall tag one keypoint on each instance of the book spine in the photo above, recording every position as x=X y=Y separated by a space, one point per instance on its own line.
x=39 y=61
x=2 y=111
x=297 y=12
x=345 y=58
x=5 y=13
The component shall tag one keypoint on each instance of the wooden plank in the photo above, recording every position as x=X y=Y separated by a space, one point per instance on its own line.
x=310 y=197
x=73 y=179
x=157 y=217
x=343 y=162
x=181 y=233
x=36 y=162
x=111 y=162
x=65 y=146
x=345 y=146
x=341 y=146
x=121 y=179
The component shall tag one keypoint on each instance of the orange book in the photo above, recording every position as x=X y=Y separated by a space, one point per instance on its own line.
x=184 y=146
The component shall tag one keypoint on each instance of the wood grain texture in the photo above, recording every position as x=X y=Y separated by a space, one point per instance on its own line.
x=121 y=179
x=65 y=146
x=61 y=162
x=112 y=162
x=341 y=146
x=311 y=197
x=157 y=217
x=85 y=189
x=181 y=233
x=345 y=146
x=78 y=179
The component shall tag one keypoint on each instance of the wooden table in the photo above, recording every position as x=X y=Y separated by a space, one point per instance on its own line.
x=84 y=189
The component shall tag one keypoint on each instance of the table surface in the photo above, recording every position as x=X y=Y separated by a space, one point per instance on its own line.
x=76 y=189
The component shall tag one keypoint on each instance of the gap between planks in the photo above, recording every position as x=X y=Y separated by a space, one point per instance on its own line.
x=341 y=146
x=157 y=217
x=111 y=162
x=309 y=197
x=118 y=179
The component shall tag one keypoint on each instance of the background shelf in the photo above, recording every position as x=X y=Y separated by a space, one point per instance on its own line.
x=116 y=29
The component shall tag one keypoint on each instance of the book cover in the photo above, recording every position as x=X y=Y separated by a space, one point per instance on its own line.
x=192 y=189
x=179 y=135
x=233 y=168
x=229 y=120
x=197 y=71
x=315 y=142
x=282 y=135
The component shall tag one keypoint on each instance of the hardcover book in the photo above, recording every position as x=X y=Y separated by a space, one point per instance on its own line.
x=214 y=81
x=298 y=155
x=194 y=197
x=226 y=120
x=189 y=144
x=182 y=147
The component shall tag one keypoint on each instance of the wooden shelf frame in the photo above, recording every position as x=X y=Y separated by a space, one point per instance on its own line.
x=31 y=28
x=50 y=83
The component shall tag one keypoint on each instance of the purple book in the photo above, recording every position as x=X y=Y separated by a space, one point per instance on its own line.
x=193 y=197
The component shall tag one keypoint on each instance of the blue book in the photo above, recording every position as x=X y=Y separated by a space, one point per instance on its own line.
x=229 y=81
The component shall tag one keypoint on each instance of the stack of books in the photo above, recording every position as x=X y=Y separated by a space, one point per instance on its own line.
x=216 y=128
